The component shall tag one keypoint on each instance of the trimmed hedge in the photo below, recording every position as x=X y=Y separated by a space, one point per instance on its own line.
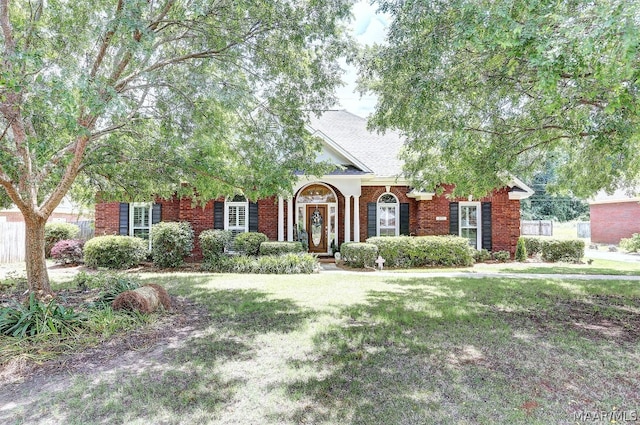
x=481 y=255
x=359 y=254
x=631 y=244
x=68 y=251
x=502 y=256
x=214 y=242
x=554 y=250
x=291 y=263
x=249 y=242
x=56 y=232
x=421 y=251
x=170 y=243
x=533 y=245
x=278 y=248
x=114 y=252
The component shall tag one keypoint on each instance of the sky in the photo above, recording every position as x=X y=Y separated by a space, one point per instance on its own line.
x=367 y=27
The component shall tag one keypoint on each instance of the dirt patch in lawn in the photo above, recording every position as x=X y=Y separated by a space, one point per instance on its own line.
x=130 y=351
x=598 y=317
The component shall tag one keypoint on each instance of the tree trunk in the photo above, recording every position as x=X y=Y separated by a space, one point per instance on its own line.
x=37 y=275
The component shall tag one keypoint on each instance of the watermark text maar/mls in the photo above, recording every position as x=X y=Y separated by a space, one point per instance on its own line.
x=609 y=416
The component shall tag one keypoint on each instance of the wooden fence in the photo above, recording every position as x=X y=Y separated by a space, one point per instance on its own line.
x=584 y=229
x=12 y=239
x=536 y=227
x=12 y=242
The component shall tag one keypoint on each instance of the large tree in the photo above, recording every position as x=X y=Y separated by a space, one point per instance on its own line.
x=485 y=88
x=138 y=97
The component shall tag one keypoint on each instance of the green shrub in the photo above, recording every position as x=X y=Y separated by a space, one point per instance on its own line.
x=213 y=242
x=521 y=250
x=554 y=250
x=502 y=256
x=481 y=255
x=359 y=254
x=68 y=251
x=421 y=251
x=290 y=263
x=249 y=242
x=114 y=252
x=171 y=242
x=532 y=244
x=278 y=248
x=56 y=232
x=631 y=244
x=37 y=318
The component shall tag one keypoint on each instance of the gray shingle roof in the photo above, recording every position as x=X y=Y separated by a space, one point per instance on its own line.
x=379 y=152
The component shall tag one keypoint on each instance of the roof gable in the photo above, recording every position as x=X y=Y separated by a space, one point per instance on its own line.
x=346 y=136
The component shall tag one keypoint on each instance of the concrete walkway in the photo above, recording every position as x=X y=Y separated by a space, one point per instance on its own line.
x=332 y=268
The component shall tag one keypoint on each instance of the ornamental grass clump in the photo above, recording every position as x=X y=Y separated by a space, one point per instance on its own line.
x=36 y=318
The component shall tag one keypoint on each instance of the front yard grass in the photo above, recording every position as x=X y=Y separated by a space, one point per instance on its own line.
x=372 y=349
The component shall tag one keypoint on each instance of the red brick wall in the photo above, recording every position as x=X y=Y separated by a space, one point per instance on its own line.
x=107 y=218
x=505 y=215
x=372 y=193
x=268 y=218
x=422 y=215
x=614 y=221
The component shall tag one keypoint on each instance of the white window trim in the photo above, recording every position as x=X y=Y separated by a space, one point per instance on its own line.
x=397 y=213
x=132 y=207
x=227 y=205
x=478 y=206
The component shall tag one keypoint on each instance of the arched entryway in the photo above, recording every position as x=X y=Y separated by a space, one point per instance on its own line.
x=317 y=216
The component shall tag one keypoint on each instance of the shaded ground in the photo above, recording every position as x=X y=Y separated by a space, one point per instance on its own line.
x=370 y=348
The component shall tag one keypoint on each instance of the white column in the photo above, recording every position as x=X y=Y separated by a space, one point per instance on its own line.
x=290 y=220
x=347 y=218
x=280 y=219
x=356 y=218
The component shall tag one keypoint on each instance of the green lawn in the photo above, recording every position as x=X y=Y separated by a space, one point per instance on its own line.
x=597 y=266
x=371 y=349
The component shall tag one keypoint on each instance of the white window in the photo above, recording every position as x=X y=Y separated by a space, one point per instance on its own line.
x=140 y=221
x=236 y=213
x=388 y=215
x=470 y=222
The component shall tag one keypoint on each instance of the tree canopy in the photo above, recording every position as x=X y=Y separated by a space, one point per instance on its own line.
x=484 y=88
x=137 y=97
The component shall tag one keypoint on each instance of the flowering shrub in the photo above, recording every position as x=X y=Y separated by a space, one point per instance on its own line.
x=55 y=232
x=68 y=251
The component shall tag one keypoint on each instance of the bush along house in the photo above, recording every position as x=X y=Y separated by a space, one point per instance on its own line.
x=363 y=197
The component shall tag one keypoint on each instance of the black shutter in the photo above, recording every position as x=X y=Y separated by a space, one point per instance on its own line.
x=372 y=212
x=123 y=227
x=253 y=216
x=218 y=215
x=156 y=213
x=486 y=226
x=454 y=213
x=404 y=219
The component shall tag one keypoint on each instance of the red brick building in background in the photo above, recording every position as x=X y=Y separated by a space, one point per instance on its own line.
x=365 y=196
x=614 y=217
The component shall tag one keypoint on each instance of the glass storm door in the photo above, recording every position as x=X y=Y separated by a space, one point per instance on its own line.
x=317 y=227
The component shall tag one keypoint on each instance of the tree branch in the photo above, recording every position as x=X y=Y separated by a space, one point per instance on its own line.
x=106 y=41
x=7 y=30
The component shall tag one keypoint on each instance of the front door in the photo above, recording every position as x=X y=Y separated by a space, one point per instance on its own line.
x=317 y=227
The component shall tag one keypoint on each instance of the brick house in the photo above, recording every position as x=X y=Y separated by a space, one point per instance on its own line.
x=365 y=196
x=614 y=217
